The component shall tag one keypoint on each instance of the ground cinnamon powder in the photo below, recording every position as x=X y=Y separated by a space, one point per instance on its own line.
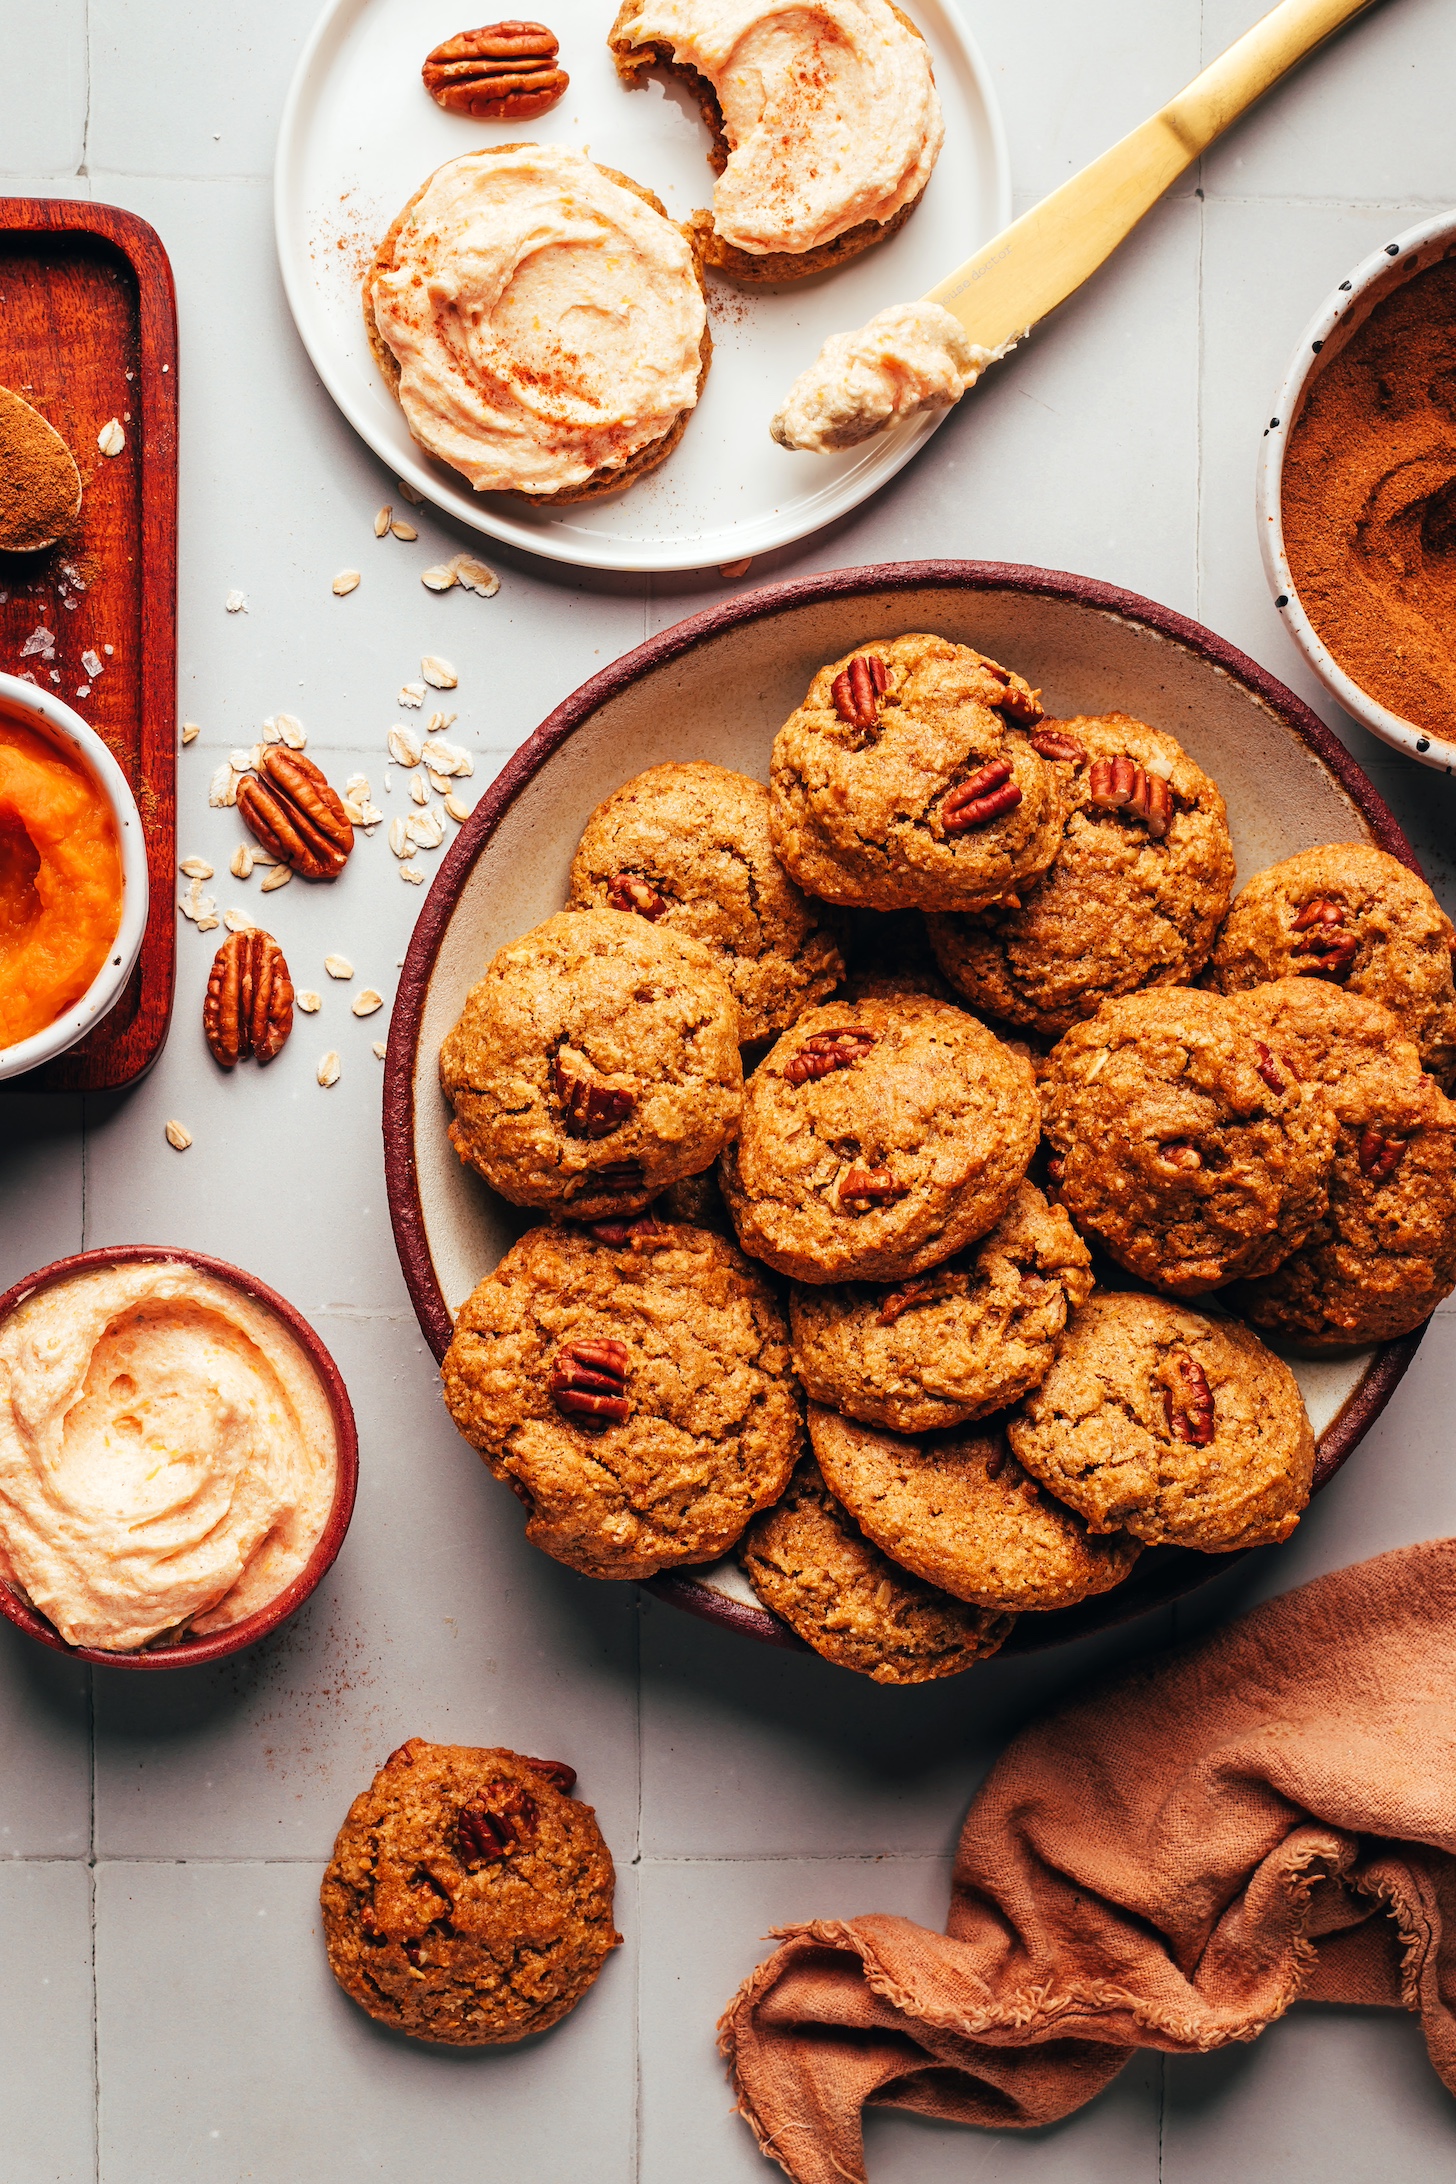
x=1370 y=503
x=40 y=486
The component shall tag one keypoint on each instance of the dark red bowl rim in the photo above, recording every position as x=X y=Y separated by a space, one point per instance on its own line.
x=1160 y=1576
x=193 y=1652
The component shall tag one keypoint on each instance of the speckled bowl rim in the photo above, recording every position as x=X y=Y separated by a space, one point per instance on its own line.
x=193 y=1652
x=1161 y=1574
x=1339 y=317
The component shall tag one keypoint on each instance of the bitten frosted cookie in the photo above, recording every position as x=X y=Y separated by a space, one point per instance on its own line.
x=1143 y=873
x=1182 y=1430
x=1353 y=917
x=958 y=1510
x=807 y=1559
x=1383 y=1255
x=469 y=1896
x=634 y=1388
x=951 y=1345
x=878 y=1139
x=1183 y=1141
x=687 y=848
x=595 y=1063
x=898 y=785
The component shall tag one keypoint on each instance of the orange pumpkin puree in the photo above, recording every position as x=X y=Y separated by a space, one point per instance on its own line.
x=60 y=882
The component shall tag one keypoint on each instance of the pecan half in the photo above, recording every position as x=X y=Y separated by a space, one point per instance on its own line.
x=588 y=1382
x=871 y=1187
x=626 y=891
x=290 y=808
x=617 y=1175
x=1329 y=949
x=496 y=1823
x=1267 y=1067
x=858 y=690
x=988 y=793
x=557 y=1773
x=643 y=1233
x=501 y=72
x=923 y=1289
x=1188 y=1406
x=1379 y=1156
x=1181 y=1152
x=1117 y=784
x=1056 y=743
x=825 y=1052
x=589 y=1110
x=1152 y=800
x=248 y=1009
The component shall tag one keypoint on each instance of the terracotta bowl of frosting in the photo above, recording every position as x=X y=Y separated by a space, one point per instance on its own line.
x=718 y=687
x=1339 y=318
x=193 y=1651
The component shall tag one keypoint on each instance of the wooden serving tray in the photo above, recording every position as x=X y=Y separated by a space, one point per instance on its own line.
x=88 y=332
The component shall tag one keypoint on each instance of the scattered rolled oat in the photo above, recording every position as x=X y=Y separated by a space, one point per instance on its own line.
x=418 y=792
x=236 y=602
x=194 y=904
x=191 y=730
x=438 y=673
x=413 y=874
x=241 y=865
x=357 y=787
x=446 y=758
x=411 y=693
x=380 y=1049
x=111 y=439
x=398 y=837
x=368 y=1001
x=383 y=520
x=236 y=921
x=272 y=733
x=195 y=868
x=309 y=1002
x=292 y=731
x=346 y=581
x=426 y=828
x=439 y=782
x=439 y=722
x=208 y=924
x=404 y=745
x=278 y=877
x=178 y=1134
x=338 y=966
x=457 y=807
x=328 y=1070
x=474 y=575
x=438 y=578
x=405 y=531
x=416 y=500
x=242 y=761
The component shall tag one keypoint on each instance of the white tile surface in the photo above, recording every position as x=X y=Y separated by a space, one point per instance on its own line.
x=738 y=1787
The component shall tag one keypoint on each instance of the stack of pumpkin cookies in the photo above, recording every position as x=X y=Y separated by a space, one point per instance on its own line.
x=844 y=1314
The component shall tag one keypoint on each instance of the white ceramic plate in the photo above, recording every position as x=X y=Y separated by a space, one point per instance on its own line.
x=359 y=136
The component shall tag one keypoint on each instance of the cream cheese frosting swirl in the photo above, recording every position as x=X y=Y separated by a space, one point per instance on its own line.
x=829 y=108
x=547 y=322
x=167 y=1454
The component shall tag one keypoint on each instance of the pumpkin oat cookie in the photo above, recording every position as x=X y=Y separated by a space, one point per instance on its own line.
x=959 y=1510
x=1180 y=1429
x=953 y=1344
x=809 y=1562
x=634 y=1389
x=469 y=1897
x=900 y=782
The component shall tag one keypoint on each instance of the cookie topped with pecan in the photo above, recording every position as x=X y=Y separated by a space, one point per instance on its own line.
x=1349 y=916
x=1144 y=870
x=956 y=1343
x=1180 y=1429
x=1183 y=1141
x=687 y=847
x=1383 y=1254
x=469 y=1896
x=595 y=1063
x=879 y=1138
x=632 y=1384
x=903 y=781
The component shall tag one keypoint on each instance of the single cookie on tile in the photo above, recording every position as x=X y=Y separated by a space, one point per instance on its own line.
x=951 y=1345
x=959 y=1510
x=879 y=1138
x=634 y=1389
x=1383 y=1255
x=1183 y=1142
x=1358 y=918
x=899 y=784
x=1183 y=1430
x=595 y=1063
x=808 y=1561
x=1143 y=873
x=687 y=847
x=469 y=1896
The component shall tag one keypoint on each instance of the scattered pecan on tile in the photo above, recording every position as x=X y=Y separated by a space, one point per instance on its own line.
x=290 y=808
x=248 y=1009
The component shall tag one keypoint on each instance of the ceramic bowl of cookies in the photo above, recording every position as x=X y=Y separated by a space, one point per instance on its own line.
x=1357 y=492
x=178 y=1454
x=1040 y=1091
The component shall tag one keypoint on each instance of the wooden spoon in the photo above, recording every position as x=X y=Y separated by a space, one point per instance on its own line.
x=40 y=486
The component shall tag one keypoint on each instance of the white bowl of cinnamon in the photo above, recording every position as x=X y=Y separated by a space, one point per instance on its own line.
x=1357 y=493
